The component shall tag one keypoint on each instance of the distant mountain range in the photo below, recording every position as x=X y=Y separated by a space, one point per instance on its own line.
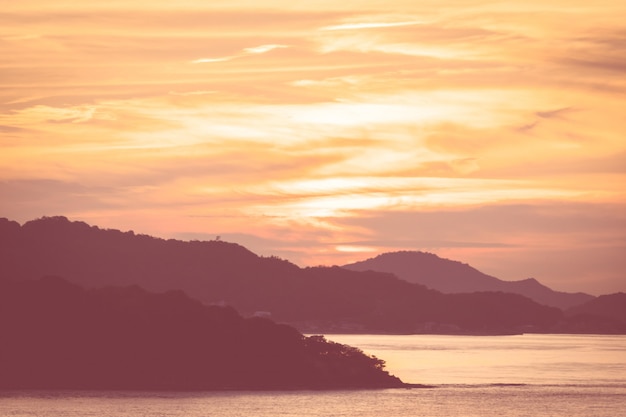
x=56 y=335
x=314 y=300
x=451 y=277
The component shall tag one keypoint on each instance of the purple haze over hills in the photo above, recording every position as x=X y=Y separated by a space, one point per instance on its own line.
x=452 y=277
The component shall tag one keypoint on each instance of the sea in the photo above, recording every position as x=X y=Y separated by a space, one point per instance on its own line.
x=519 y=375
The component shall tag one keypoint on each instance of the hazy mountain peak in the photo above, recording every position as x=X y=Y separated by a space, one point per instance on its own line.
x=450 y=276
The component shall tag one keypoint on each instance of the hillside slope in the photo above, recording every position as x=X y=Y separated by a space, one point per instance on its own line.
x=606 y=314
x=451 y=277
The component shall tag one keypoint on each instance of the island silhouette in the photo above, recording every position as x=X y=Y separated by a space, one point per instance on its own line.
x=57 y=335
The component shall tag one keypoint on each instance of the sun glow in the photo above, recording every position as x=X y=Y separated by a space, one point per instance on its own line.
x=355 y=249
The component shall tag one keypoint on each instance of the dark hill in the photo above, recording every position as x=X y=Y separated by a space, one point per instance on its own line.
x=604 y=314
x=56 y=335
x=451 y=277
x=611 y=306
x=321 y=299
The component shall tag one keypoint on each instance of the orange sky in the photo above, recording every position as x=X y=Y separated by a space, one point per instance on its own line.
x=327 y=132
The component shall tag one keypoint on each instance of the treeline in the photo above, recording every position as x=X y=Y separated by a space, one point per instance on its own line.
x=57 y=335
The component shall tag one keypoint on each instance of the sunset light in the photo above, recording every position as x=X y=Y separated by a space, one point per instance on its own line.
x=326 y=132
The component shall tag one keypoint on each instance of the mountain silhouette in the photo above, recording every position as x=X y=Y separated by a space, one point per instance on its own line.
x=314 y=300
x=611 y=306
x=57 y=335
x=450 y=277
x=604 y=314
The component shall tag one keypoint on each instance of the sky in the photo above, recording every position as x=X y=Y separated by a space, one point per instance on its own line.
x=327 y=132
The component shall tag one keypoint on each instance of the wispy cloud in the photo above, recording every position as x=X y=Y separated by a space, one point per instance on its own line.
x=263 y=48
x=256 y=50
x=370 y=25
x=210 y=60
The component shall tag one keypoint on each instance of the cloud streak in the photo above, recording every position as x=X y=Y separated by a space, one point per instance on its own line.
x=370 y=25
x=256 y=50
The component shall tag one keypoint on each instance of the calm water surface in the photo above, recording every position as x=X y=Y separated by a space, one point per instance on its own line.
x=519 y=359
x=530 y=375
